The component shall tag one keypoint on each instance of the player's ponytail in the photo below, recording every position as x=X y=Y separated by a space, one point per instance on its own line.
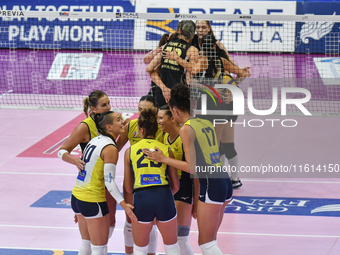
x=147 y=120
x=188 y=29
x=86 y=106
x=92 y=100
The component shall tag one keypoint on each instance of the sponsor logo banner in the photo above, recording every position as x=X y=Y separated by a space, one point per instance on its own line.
x=57 y=199
x=284 y=206
x=5 y=13
x=245 y=35
x=154 y=29
x=329 y=70
x=68 y=31
x=238 y=204
x=320 y=36
x=75 y=66
x=40 y=252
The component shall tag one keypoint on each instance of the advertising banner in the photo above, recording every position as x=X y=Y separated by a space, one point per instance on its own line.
x=235 y=35
x=65 y=32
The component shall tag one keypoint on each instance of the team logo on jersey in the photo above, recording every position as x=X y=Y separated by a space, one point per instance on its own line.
x=147 y=179
x=156 y=28
x=81 y=175
x=135 y=134
x=215 y=157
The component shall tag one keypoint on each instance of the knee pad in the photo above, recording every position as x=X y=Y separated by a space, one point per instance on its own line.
x=153 y=240
x=128 y=239
x=85 y=247
x=183 y=231
x=99 y=249
x=220 y=149
x=111 y=229
x=172 y=249
x=210 y=248
x=228 y=149
x=137 y=250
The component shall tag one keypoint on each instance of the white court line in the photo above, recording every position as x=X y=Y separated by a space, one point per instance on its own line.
x=61 y=174
x=265 y=180
x=21 y=173
x=59 y=249
x=243 y=180
x=222 y=233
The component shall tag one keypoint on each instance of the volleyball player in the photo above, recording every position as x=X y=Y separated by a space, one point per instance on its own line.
x=88 y=196
x=184 y=196
x=131 y=134
x=96 y=102
x=150 y=181
x=164 y=39
x=199 y=141
x=148 y=58
x=215 y=66
x=203 y=27
x=173 y=62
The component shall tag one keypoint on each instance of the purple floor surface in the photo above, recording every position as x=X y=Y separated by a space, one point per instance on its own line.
x=122 y=74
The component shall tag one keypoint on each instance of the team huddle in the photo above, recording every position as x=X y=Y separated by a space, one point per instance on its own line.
x=161 y=190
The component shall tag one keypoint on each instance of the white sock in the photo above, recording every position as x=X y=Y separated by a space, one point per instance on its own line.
x=233 y=163
x=99 y=249
x=111 y=230
x=210 y=248
x=128 y=239
x=137 y=250
x=153 y=240
x=85 y=247
x=172 y=249
x=184 y=245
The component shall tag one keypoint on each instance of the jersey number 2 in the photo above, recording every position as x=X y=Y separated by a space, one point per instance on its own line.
x=140 y=164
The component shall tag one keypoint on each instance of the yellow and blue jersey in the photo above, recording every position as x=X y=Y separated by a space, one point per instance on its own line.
x=206 y=144
x=90 y=185
x=134 y=137
x=148 y=173
x=92 y=130
x=228 y=79
x=177 y=148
